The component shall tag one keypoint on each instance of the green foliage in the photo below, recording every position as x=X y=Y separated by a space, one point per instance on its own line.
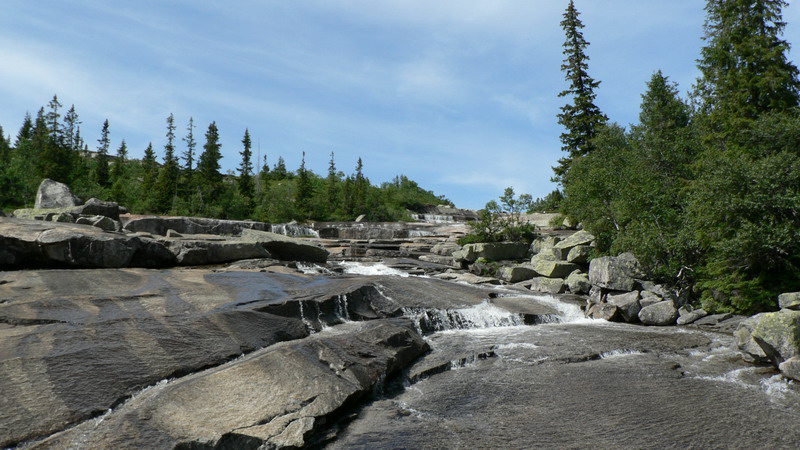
x=246 y=167
x=101 y=171
x=504 y=221
x=581 y=118
x=549 y=203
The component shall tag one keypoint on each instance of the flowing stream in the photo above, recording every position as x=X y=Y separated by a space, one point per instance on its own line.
x=490 y=381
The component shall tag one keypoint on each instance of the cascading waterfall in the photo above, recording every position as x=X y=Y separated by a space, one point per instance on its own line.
x=290 y=229
x=483 y=315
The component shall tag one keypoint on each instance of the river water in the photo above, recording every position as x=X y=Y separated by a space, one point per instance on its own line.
x=491 y=382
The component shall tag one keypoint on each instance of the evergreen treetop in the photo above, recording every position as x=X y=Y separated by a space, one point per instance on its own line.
x=581 y=117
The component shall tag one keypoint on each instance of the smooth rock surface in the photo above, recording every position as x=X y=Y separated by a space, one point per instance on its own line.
x=199 y=252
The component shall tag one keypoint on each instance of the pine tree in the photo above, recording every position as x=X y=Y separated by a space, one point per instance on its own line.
x=25 y=132
x=119 y=175
x=71 y=130
x=332 y=187
x=166 y=187
x=246 y=167
x=304 y=188
x=189 y=155
x=581 y=118
x=210 y=179
x=744 y=67
x=279 y=172
x=101 y=174
x=53 y=125
x=360 y=188
x=150 y=169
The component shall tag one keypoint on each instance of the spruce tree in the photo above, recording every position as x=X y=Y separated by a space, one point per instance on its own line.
x=71 y=126
x=581 y=117
x=209 y=177
x=25 y=132
x=304 y=187
x=744 y=67
x=279 y=172
x=246 y=167
x=101 y=174
x=188 y=157
x=332 y=187
x=166 y=188
x=150 y=169
x=118 y=169
x=53 y=124
x=360 y=189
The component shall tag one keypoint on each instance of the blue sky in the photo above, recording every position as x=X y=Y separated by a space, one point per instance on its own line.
x=459 y=95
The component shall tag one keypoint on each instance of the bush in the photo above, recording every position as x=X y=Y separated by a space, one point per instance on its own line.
x=503 y=221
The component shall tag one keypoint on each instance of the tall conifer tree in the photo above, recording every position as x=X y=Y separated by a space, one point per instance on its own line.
x=101 y=164
x=246 y=167
x=210 y=179
x=581 y=117
x=166 y=188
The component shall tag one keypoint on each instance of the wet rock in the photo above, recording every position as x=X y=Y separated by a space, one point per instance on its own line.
x=605 y=311
x=285 y=247
x=467 y=278
x=615 y=272
x=578 y=283
x=200 y=252
x=628 y=305
x=789 y=300
x=554 y=269
x=548 y=285
x=52 y=194
x=778 y=334
x=283 y=396
x=516 y=274
x=791 y=368
x=661 y=313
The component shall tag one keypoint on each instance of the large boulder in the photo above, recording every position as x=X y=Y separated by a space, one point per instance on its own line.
x=628 y=305
x=544 y=243
x=576 y=239
x=789 y=300
x=285 y=247
x=554 y=269
x=778 y=334
x=579 y=254
x=103 y=222
x=52 y=194
x=791 y=368
x=615 y=272
x=578 y=283
x=548 y=285
x=661 y=313
x=514 y=274
x=95 y=207
x=494 y=251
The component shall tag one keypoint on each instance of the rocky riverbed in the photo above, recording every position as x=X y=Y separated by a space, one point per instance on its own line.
x=200 y=333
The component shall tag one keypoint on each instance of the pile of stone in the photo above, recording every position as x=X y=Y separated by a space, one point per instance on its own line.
x=774 y=337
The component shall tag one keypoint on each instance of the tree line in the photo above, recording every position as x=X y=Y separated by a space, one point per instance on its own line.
x=705 y=190
x=50 y=145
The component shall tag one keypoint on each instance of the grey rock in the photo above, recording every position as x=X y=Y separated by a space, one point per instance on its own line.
x=576 y=239
x=595 y=295
x=52 y=194
x=198 y=252
x=628 y=305
x=789 y=300
x=579 y=254
x=649 y=298
x=61 y=217
x=743 y=336
x=445 y=248
x=791 y=368
x=96 y=207
x=661 y=313
x=192 y=225
x=554 y=269
x=618 y=273
x=103 y=222
x=578 y=283
x=548 y=285
x=285 y=247
x=778 y=334
x=605 y=311
x=691 y=316
x=543 y=243
x=278 y=397
x=516 y=274
x=469 y=278
x=496 y=251
x=173 y=234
